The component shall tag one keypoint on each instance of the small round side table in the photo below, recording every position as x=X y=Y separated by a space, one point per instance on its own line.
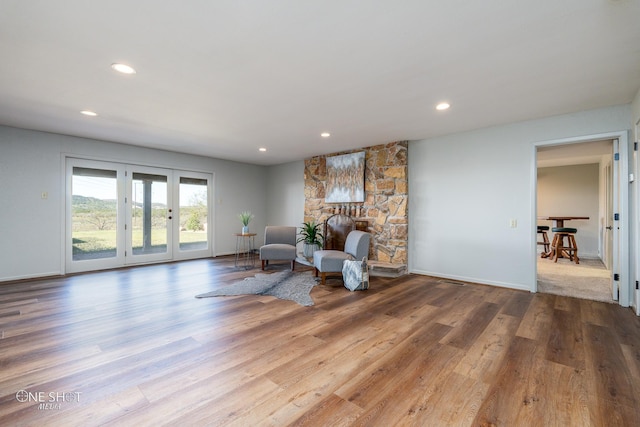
x=245 y=244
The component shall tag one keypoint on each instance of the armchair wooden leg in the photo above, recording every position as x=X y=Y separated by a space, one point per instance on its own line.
x=316 y=271
x=293 y=264
x=263 y=264
x=324 y=277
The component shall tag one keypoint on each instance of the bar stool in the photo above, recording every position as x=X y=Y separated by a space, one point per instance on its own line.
x=560 y=250
x=542 y=229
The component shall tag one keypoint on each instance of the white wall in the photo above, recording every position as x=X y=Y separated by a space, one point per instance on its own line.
x=33 y=228
x=465 y=188
x=572 y=191
x=285 y=204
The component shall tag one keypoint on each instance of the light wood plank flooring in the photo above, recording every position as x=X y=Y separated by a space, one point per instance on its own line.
x=133 y=347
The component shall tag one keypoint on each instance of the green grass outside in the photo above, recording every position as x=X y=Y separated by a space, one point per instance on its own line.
x=105 y=240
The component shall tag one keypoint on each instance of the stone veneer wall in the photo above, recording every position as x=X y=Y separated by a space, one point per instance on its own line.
x=386 y=197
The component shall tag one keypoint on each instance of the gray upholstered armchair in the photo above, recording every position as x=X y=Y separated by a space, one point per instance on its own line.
x=279 y=244
x=330 y=261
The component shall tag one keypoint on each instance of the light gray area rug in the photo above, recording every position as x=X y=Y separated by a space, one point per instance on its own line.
x=284 y=285
x=588 y=280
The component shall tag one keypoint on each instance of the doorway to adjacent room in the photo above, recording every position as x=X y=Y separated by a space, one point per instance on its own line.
x=581 y=177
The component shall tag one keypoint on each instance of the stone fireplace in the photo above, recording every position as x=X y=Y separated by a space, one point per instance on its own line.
x=384 y=212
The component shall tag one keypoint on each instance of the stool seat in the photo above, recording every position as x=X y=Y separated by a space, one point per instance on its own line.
x=564 y=230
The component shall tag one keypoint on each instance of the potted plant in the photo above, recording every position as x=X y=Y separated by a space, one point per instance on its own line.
x=245 y=218
x=311 y=235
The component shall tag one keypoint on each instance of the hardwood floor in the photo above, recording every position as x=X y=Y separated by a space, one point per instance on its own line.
x=134 y=347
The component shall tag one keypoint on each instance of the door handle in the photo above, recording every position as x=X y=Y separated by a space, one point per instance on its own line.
x=609 y=227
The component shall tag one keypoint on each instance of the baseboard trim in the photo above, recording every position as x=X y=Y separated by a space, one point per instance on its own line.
x=516 y=286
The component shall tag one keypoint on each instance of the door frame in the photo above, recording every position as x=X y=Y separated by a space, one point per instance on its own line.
x=635 y=300
x=625 y=294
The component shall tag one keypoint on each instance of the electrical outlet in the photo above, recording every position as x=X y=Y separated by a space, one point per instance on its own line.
x=513 y=223
x=44 y=195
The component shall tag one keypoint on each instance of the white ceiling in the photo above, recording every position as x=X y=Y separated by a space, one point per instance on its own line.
x=223 y=78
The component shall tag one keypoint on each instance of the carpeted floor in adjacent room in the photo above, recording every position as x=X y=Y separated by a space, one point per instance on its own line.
x=588 y=280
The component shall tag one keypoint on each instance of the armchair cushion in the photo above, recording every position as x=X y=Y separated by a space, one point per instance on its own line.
x=276 y=251
x=328 y=260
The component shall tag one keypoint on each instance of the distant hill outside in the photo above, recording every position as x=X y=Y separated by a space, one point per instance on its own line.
x=85 y=204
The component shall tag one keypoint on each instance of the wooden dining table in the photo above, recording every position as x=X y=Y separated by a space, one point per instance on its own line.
x=558 y=222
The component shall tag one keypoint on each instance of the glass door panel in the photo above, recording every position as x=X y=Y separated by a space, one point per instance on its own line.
x=193 y=234
x=93 y=215
x=149 y=214
x=193 y=214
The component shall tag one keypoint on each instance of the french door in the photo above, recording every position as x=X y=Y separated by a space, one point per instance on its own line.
x=148 y=213
x=118 y=214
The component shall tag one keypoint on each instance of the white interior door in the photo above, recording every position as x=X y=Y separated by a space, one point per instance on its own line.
x=616 y=220
x=622 y=286
x=607 y=232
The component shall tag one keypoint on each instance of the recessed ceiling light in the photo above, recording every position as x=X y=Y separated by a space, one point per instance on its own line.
x=262 y=149
x=88 y=113
x=443 y=106
x=325 y=134
x=123 y=68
